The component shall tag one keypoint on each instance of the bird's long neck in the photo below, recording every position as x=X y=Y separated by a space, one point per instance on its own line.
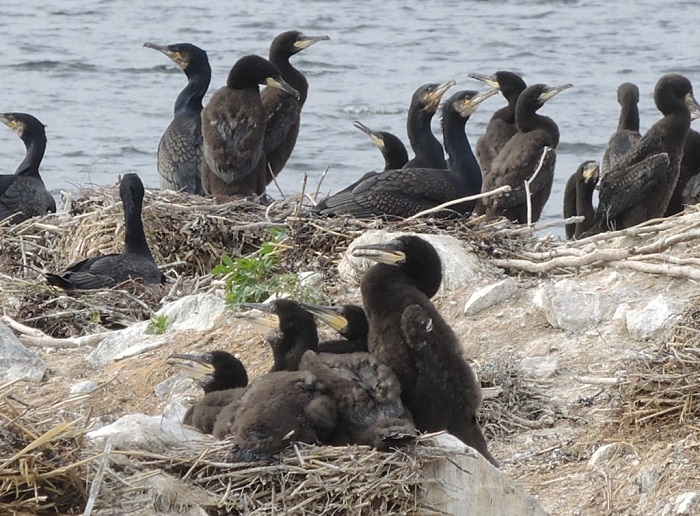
x=629 y=117
x=461 y=159
x=292 y=76
x=36 y=147
x=584 y=204
x=421 y=136
x=135 y=238
x=190 y=98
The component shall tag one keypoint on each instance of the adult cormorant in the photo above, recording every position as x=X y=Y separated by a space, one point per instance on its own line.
x=627 y=133
x=578 y=198
x=640 y=187
x=392 y=148
x=223 y=379
x=404 y=192
x=135 y=262
x=283 y=109
x=233 y=129
x=23 y=194
x=406 y=269
x=180 y=147
x=521 y=156
x=501 y=127
x=690 y=167
x=348 y=320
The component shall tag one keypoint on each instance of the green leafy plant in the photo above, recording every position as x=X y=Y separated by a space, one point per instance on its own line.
x=159 y=324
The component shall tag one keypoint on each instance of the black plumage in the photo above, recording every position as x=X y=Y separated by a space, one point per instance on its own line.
x=392 y=148
x=627 y=133
x=501 y=127
x=223 y=379
x=284 y=110
x=407 y=191
x=233 y=129
x=180 y=147
x=23 y=194
x=428 y=152
x=534 y=143
x=407 y=270
x=689 y=177
x=578 y=198
x=348 y=320
x=640 y=187
x=135 y=262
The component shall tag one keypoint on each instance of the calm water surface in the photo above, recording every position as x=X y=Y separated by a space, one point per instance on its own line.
x=80 y=68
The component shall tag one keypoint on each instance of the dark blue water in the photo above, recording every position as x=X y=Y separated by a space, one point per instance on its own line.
x=106 y=100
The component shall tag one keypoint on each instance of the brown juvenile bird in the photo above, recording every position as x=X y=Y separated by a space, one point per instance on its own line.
x=348 y=320
x=578 y=198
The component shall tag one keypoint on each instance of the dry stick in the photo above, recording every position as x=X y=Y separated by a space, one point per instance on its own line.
x=22 y=328
x=545 y=151
x=591 y=380
x=274 y=180
x=675 y=271
x=501 y=189
x=97 y=481
x=320 y=181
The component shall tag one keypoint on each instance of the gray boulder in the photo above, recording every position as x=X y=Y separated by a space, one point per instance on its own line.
x=16 y=361
x=657 y=317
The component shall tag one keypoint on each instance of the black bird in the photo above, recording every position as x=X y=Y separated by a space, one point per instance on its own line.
x=348 y=320
x=690 y=167
x=427 y=149
x=627 y=133
x=640 y=187
x=180 y=147
x=405 y=192
x=367 y=394
x=578 y=198
x=222 y=377
x=279 y=408
x=23 y=194
x=233 y=129
x=135 y=262
x=289 y=329
x=520 y=157
x=407 y=269
x=283 y=109
x=392 y=148
x=501 y=127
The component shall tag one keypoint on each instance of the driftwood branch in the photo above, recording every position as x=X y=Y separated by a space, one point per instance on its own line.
x=499 y=190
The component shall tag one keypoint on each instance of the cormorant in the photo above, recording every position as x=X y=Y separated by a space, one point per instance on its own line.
x=23 y=194
x=222 y=377
x=519 y=158
x=290 y=330
x=405 y=192
x=578 y=198
x=348 y=320
x=501 y=127
x=283 y=109
x=406 y=269
x=640 y=187
x=392 y=148
x=690 y=167
x=136 y=262
x=279 y=408
x=627 y=133
x=233 y=129
x=180 y=147
x=427 y=149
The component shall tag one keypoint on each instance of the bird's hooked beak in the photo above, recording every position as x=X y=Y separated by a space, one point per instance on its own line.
x=693 y=106
x=431 y=99
x=281 y=84
x=327 y=315
x=550 y=92
x=466 y=107
x=194 y=366
x=374 y=135
x=491 y=80
x=306 y=41
x=11 y=122
x=178 y=58
x=591 y=171
x=262 y=323
x=388 y=253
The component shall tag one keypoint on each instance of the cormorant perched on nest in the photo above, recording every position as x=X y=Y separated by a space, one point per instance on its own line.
x=223 y=378
x=283 y=109
x=578 y=198
x=180 y=147
x=640 y=187
x=392 y=148
x=627 y=133
x=233 y=129
x=136 y=262
x=501 y=127
x=348 y=320
x=405 y=192
x=531 y=148
x=438 y=386
x=23 y=194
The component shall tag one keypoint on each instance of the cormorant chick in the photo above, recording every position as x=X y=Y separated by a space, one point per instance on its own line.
x=180 y=147
x=406 y=269
x=578 y=198
x=279 y=408
x=284 y=110
x=23 y=194
x=640 y=187
x=233 y=129
x=627 y=133
x=534 y=143
x=348 y=320
x=222 y=377
x=136 y=262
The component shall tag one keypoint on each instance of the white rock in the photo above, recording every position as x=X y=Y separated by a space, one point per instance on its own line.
x=647 y=478
x=652 y=321
x=540 y=367
x=459 y=266
x=489 y=296
x=607 y=452
x=176 y=384
x=310 y=279
x=152 y=433
x=687 y=503
x=569 y=306
x=16 y=361
x=174 y=411
x=83 y=387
